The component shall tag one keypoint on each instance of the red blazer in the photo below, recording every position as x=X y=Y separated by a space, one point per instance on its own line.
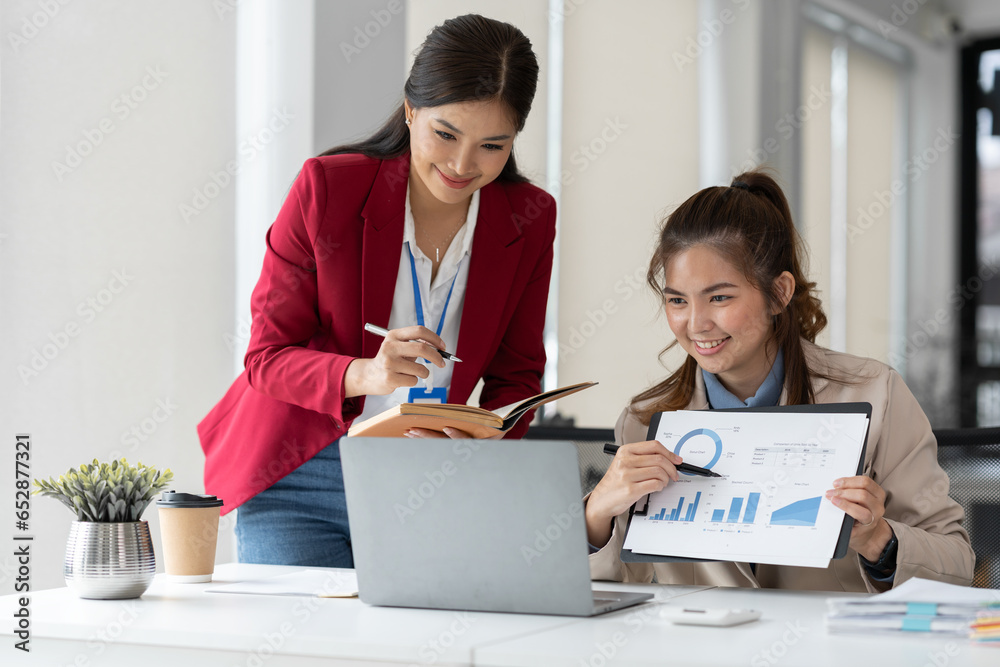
x=331 y=263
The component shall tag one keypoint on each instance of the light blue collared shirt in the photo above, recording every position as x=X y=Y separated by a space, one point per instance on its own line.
x=767 y=396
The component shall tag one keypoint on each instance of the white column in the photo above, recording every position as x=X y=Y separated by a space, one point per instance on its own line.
x=274 y=130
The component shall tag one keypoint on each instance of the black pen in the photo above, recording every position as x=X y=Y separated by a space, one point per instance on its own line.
x=682 y=467
x=379 y=331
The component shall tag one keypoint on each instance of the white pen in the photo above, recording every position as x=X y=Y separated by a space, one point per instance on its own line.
x=379 y=331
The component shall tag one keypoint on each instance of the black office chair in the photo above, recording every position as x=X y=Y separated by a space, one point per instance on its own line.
x=971 y=457
x=590 y=446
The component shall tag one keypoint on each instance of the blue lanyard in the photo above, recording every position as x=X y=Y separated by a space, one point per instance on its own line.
x=416 y=292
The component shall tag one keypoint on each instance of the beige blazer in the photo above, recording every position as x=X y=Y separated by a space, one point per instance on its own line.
x=901 y=456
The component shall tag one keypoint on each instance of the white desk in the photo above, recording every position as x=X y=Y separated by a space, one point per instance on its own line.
x=181 y=624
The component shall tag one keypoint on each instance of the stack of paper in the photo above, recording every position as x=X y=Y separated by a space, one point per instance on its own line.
x=920 y=605
x=987 y=627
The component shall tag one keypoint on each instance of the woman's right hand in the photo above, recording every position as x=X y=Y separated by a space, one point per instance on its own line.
x=637 y=469
x=395 y=365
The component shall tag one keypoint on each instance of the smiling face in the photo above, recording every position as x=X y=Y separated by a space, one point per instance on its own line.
x=720 y=319
x=455 y=149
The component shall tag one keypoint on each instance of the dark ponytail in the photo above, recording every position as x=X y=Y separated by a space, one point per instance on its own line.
x=748 y=223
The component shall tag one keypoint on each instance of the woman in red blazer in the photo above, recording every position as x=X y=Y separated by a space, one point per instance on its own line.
x=436 y=188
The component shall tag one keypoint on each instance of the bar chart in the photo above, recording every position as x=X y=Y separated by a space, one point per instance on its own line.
x=675 y=514
x=735 y=505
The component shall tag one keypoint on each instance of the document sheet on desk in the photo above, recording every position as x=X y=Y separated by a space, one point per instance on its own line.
x=771 y=505
x=325 y=583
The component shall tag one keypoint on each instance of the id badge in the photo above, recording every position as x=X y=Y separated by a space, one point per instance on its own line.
x=424 y=395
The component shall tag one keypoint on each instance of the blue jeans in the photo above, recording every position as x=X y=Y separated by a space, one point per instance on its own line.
x=301 y=519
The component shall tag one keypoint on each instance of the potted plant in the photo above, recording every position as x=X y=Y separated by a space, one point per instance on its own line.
x=109 y=554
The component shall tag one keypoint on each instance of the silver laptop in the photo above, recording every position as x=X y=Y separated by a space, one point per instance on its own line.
x=479 y=525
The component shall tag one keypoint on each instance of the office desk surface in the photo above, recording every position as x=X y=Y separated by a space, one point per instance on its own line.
x=791 y=632
x=174 y=624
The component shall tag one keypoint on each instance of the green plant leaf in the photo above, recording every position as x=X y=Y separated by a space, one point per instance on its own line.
x=113 y=491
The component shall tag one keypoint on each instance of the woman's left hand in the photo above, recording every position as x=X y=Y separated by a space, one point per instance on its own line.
x=449 y=432
x=864 y=500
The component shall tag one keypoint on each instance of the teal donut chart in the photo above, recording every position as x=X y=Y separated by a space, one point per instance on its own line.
x=701 y=431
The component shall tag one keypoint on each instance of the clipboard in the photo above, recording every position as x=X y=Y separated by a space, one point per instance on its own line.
x=843 y=542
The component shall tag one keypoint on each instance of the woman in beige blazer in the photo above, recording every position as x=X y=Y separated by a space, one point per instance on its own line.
x=729 y=265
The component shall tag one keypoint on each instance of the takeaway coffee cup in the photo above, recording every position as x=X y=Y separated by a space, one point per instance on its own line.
x=189 y=530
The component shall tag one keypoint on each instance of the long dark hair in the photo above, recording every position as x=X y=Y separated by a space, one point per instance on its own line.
x=469 y=58
x=748 y=223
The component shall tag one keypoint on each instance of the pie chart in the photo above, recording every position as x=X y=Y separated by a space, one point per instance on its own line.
x=699 y=447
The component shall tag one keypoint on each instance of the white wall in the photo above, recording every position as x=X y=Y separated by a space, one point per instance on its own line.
x=630 y=154
x=110 y=230
x=360 y=67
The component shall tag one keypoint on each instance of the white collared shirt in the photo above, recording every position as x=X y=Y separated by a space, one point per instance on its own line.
x=404 y=314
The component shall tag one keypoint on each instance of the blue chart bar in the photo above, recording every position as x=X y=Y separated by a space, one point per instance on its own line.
x=675 y=513
x=734 y=510
x=718 y=515
x=800 y=513
x=751 y=512
x=693 y=508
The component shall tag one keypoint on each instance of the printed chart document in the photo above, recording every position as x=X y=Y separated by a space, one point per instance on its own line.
x=770 y=507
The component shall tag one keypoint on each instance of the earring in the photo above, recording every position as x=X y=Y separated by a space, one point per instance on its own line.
x=407 y=121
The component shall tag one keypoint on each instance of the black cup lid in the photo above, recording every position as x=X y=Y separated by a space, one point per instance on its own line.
x=177 y=499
